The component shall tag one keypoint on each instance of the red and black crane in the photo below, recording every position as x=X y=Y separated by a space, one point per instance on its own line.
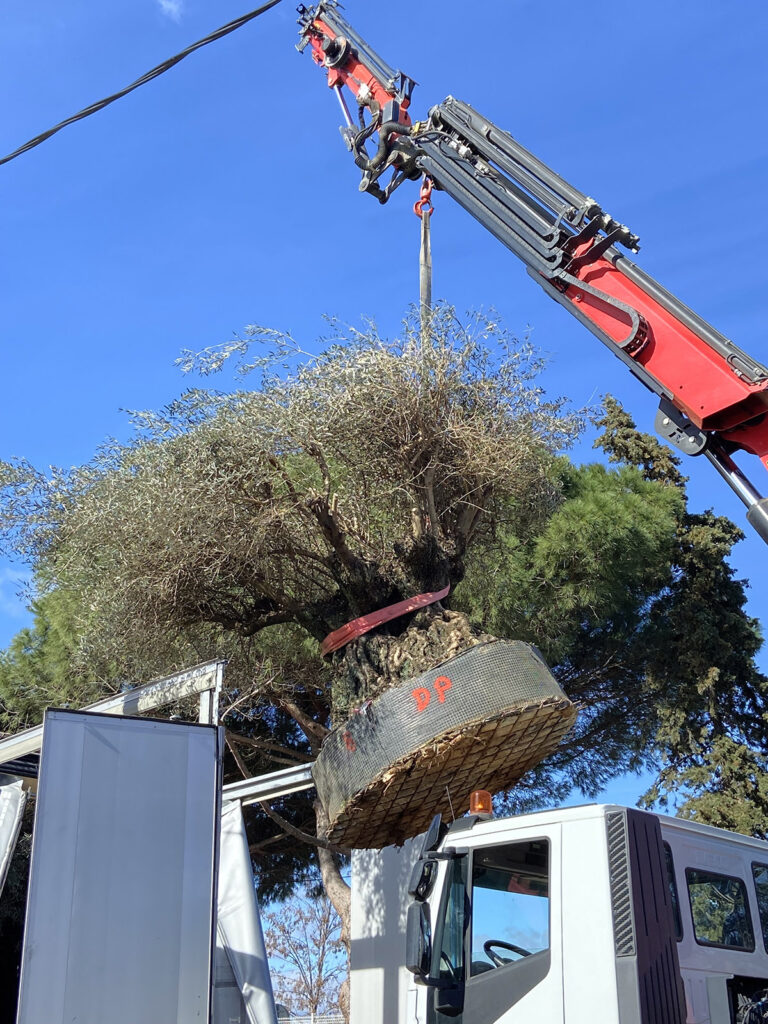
x=713 y=396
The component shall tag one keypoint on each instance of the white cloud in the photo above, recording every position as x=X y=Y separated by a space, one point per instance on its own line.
x=172 y=8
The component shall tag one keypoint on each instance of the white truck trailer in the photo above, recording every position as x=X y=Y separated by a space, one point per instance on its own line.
x=587 y=915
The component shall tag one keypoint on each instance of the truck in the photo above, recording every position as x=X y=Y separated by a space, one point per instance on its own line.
x=598 y=912
x=569 y=914
x=594 y=913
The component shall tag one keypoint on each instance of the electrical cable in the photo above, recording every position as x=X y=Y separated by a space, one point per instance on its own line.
x=147 y=77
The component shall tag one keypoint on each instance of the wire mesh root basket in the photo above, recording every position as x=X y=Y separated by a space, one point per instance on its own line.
x=477 y=721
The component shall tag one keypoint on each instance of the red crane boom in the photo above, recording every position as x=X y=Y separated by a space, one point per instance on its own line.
x=713 y=396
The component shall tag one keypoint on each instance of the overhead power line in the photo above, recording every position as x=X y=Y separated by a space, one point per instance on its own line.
x=154 y=73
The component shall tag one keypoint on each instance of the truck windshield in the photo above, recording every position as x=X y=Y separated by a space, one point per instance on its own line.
x=510 y=904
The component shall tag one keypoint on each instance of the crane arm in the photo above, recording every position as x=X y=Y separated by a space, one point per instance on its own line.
x=713 y=397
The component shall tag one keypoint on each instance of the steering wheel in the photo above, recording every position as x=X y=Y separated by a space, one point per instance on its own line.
x=499 y=961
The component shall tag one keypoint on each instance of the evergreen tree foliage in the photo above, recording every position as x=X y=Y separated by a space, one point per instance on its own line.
x=631 y=599
x=711 y=722
x=583 y=590
x=38 y=669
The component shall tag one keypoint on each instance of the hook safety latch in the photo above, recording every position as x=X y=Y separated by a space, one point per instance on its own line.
x=424 y=203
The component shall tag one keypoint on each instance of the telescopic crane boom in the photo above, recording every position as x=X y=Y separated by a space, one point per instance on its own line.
x=713 y=397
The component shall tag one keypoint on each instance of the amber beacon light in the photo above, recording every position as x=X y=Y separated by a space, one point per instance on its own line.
x=480 y=803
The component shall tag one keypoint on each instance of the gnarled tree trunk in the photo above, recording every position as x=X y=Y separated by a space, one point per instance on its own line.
x=340 y=895
x=374 y=662
x=366 y=667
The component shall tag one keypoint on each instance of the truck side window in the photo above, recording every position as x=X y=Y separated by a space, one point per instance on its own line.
x=448 y=948
x=673 y=892
x=510 y=904
x=760 y=875
x=720 y=910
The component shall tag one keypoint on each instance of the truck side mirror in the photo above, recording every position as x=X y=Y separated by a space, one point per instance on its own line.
x=422 y=879
x=432 y=836
x=418 y=940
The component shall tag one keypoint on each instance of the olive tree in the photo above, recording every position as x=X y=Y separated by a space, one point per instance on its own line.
x=342 y=482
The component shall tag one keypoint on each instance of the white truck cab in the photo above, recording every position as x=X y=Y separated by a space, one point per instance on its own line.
x=587 y=915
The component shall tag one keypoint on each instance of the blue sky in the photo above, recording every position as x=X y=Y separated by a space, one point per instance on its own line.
x=221 y=195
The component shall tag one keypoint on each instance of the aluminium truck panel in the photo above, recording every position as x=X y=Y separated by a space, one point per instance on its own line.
x=120 y=913
x=12 y=801
x=242 y=990
x=649 y=983
x=709 y=971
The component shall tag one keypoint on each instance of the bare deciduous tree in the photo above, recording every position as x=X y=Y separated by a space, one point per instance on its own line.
x=308 y=959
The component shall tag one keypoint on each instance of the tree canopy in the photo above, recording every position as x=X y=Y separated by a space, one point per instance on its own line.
x=351 y=481
x=250 y=524
x=38 y=669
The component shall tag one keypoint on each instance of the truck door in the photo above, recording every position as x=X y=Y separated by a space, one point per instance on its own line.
x=497 y=939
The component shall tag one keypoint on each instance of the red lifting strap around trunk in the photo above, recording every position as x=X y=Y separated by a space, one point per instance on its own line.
x=357 y=627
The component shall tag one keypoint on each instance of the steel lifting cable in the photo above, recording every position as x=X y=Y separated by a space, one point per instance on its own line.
x=424 y=209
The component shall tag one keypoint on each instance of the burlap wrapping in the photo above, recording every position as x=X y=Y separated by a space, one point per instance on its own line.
x=477 y=721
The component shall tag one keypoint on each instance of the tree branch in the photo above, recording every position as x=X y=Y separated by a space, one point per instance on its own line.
x=435 y=527
x=326 y=514
x=317 y=454
x=271 y=611
x=258 y=847
x=238 y=760
x=337 y=890
x=314 y=731
x=275 y=464
x=294 y=756
x=275 y=618
x=297 y=833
